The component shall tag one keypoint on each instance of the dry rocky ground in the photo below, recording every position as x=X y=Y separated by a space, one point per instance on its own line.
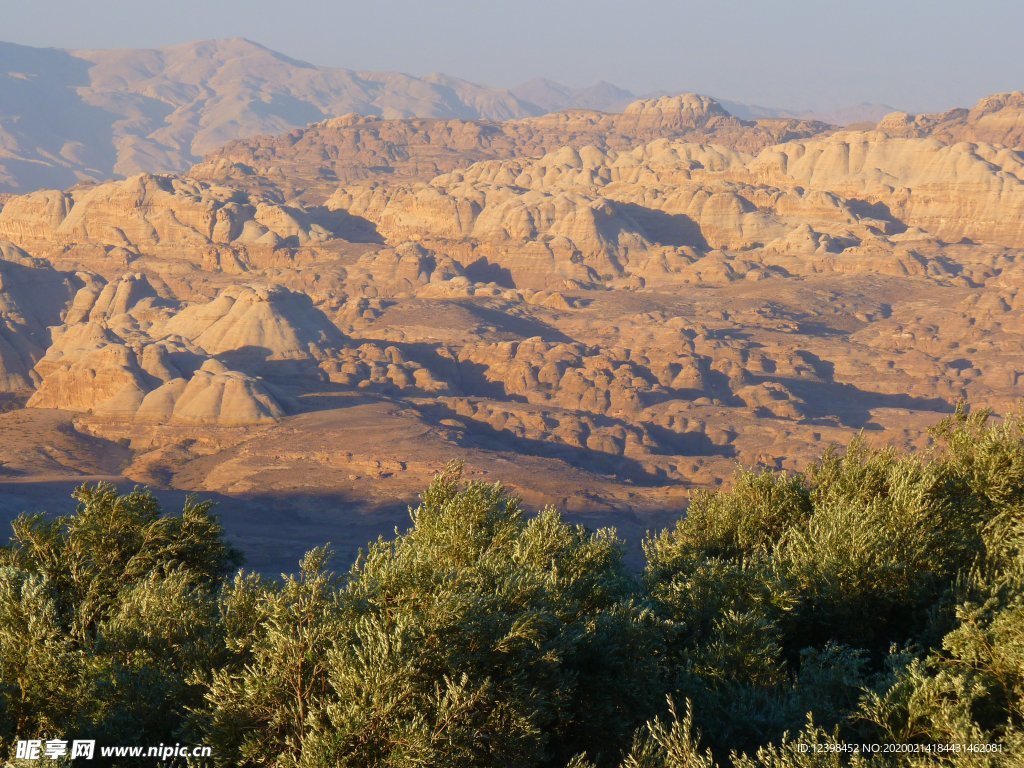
x=605 y=310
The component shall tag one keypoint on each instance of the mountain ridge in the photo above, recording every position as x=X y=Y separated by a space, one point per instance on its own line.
x=72 y=115
x=161 y=109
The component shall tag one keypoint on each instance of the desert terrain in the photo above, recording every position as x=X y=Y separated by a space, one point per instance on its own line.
x=604 y=310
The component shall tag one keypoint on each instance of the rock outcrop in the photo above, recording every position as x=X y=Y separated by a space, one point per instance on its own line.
x=147 y=212
x=33 y=297
x=627 y=303
x=311 y=162
x=213 y=394
x=91 y=369
x=996 y=119
x=593 y=214
x=121 y=355
x=958 y=191
x=260 y=323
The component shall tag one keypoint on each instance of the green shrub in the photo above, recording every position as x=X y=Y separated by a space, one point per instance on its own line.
x=868 y=550
x=106 y=615
x=477 y=637
x=878 y=597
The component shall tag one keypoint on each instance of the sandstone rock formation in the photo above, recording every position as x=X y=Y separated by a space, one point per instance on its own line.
x=213 y=394
x=973 y=191
x=622 y=303
x=148 y=211
x=32 y=297
x=267 y=323
x=310 y=163
x=590 y=215
x=121 y=354
x=93 y=370
x=996 y=119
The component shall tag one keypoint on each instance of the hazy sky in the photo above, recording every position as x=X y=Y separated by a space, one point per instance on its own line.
x=912 y=54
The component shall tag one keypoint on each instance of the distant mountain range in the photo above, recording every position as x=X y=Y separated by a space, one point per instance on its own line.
x=69 y=116
x=851 y=114
x=72 y=115
x=550 y=96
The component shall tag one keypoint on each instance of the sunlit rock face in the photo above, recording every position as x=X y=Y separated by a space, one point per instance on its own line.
x=627 y=303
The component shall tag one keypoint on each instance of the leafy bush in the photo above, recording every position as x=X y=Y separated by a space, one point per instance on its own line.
x=477 y=637
x=105 y=616
x=880 y=592
x=878 y=597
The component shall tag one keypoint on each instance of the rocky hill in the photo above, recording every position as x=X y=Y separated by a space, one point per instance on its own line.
x=312 y=162
x=68 y=116
x=997 y=119
x=627 y=303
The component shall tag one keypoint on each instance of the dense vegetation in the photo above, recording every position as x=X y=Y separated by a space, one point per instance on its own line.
x=877 y=598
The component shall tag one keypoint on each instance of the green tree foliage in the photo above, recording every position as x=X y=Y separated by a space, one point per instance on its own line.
x=879 y=591
x=105 y=615
x=876 y=598
x=477 y=637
